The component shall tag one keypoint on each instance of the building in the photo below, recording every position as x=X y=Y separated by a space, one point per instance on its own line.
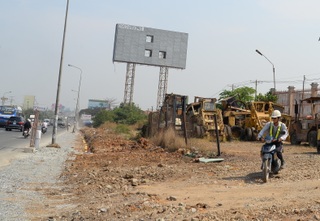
x=28 y=102
x=291 y=97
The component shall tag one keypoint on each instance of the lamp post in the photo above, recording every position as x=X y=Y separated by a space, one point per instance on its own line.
x=4 y=98
x=76 y=114
x=273 y=69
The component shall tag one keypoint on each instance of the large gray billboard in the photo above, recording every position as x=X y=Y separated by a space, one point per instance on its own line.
x=149 y=46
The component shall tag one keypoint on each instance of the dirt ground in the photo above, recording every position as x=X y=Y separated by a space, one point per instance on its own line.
x=127 y=180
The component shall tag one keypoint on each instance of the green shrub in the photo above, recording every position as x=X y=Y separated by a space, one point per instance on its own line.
x=102 y=117
x=128 y=114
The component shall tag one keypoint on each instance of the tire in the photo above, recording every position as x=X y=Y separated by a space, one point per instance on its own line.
x=199 y=131
x=227 y=130
x=318 y=147
x=237 y=132
x=248 y=134
x=202 y=131
x=265 y=171
x=312 y=138
x=294 y=139
x=276 y=167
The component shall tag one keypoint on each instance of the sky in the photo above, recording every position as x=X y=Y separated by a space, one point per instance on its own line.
x=222 y=39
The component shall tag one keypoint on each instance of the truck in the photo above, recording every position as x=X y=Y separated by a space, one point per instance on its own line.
x=306 y=128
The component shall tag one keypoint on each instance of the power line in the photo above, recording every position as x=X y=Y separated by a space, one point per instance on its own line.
x=292 y=82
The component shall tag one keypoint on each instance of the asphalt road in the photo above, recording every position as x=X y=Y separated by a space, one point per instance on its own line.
x=13 y=145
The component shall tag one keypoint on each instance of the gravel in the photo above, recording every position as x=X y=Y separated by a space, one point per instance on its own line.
x=44 y=165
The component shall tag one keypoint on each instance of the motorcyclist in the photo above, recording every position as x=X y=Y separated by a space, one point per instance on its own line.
x=44 y=126
x=278 y=131
x=27 y=126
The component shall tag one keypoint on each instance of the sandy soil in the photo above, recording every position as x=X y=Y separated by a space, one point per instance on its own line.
x=127 y=180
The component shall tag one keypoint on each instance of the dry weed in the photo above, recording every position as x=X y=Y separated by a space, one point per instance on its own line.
x=169 y=139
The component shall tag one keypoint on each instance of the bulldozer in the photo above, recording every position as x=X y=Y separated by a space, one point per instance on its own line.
x=204 y=120
x=306 y=129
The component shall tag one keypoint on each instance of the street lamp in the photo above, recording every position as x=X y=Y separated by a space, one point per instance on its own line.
x=76 y=117
x=4 y=98
x=75 y=111
x=273 y=69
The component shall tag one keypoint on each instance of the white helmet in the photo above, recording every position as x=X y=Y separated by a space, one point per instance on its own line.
x=276 y=114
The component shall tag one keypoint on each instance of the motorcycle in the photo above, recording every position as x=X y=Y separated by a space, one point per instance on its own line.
x=270 y=161
x=26 y=133
x=43 y=130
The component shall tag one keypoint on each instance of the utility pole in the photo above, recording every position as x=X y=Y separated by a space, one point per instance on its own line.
x=302 y=96
x=55 y=125
x=256 y=88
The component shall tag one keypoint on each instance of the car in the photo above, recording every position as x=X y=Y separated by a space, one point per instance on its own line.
x=47 y=121
x=15 y=123
x=61 y=122
x=87 y=123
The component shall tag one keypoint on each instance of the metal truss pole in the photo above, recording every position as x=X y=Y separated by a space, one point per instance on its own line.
x=162 y=86
x=128 y=91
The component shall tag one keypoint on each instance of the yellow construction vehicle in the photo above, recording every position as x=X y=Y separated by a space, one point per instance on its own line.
x=260 y=115
x=306 y=129
x=247 y=119
x=171 y=114
x=204 y=119
x=234 y=114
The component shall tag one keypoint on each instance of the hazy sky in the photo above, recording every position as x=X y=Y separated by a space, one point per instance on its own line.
x=223 y=37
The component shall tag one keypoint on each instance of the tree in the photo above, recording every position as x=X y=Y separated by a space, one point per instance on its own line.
x=103 y=116
x=269 y=96
x=111 y=101
x=28 y=112
x=124 y=114
x=244 y=94
x=128 y=114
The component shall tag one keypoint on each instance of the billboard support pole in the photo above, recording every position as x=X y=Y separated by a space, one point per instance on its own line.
x=129 y=85
x=162 y=86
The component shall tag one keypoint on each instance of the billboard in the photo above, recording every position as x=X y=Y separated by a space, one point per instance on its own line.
x=149 y=46
x=94 y=103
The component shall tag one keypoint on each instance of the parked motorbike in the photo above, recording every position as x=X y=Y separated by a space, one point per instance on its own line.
x=43 y=130
x=26 y=133
x=270 y=161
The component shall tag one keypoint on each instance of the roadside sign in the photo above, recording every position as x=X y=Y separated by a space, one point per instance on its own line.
x=39 y=108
